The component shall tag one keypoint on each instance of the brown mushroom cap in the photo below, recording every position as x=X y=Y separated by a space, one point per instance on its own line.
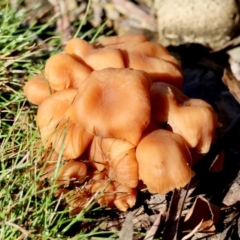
x=153 y=58
x=106 y=192
x=196 y=122
x=164 y=161
x=64 y=71
x=58 y=131
x=125 y=197
x=37 y=89
x=161 y=101
x=72 y=171
x=113 y=103
x=96 y=58
x=193 y=119
x=118 y=155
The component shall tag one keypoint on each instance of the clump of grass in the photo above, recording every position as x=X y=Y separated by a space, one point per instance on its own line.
x=28 y=210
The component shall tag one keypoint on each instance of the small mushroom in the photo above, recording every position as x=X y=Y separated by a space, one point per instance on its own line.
x=106 y=192
x=126 y=197
x=72 y=171
x=193 y=119
x=96 y=58
x=118 y=157
x=153 y=58
x=64 y=71
x=164 y=161
x=37 y=89
x=56 y=130
x=113 y=103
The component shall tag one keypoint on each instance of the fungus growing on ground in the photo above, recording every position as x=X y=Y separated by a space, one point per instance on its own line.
x=164 y=161
x=193 y=119
x=117 y=157
x=113 y=103
x=61 y=77
x=37 y=89
x=96 y=58
x=116 y=125
x=140 y=54
x=56 y=130
x=72 y=171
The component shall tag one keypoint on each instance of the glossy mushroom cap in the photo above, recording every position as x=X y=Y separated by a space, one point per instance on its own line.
x=72 y=171
x=64 y=71
x=56 y=130
x=119 y=156
x=153 y=58
x=37 y=89
x=106 y=192
x=164 y=161
x=193 y=119
x=113 y=103
x=96 y=58
x=126 y=197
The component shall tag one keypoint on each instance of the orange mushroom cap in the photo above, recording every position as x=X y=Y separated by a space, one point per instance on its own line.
x=125 y=197
x=193 y=119
x=118 y=155
x=37 y=89
x=113 y=103
x=58 y=131
x=164 y=161
x=106 y=192
x=72 y=171
x=153 y=58
x=64 y=71
x=96 y=58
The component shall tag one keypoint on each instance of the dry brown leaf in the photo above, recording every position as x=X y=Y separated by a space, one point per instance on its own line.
x=195 y=230
x=174 y=214
x=151 y=233
x=202 y=211
x=232 y=83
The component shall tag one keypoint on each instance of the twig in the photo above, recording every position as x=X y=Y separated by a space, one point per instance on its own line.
x=174 y=214
x=232 y=43
x=22 y=230
x=132 y=11
x=63 y=22
x=151 y=233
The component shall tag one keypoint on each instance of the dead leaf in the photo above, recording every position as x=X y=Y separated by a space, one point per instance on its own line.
x=232 y=83
x=233 y=194
x=151 y=233
x=195 y=230
x=202 y=211
x=174 y=213
x=234 y=61
x=126 y=232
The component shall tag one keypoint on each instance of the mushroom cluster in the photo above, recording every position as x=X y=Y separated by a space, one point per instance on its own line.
x=115 y=111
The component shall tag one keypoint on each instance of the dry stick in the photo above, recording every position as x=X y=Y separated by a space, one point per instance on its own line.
x=126 y=7
x=232 y=43
x=151 y=233
x=174 y=214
